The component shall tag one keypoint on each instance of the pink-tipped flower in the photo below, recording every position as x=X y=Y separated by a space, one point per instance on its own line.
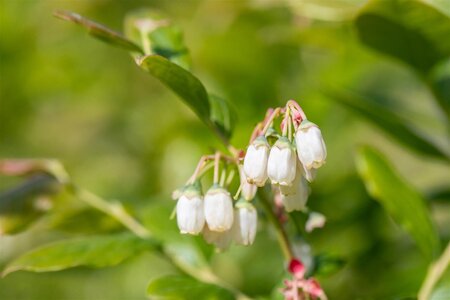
x=190 y=215
x=311 y=148
x=281 y=166
x=300 y=288
x=297 y=268
x=248 y=190
x=255 y=161
x=245 y=223
x=218 y=209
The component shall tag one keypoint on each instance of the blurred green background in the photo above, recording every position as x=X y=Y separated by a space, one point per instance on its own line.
x=123 y=135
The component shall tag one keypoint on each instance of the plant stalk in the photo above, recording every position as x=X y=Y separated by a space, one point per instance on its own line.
x=435 y=272
x=282 y=237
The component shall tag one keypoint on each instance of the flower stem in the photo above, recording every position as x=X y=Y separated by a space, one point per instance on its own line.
x=282 y=237
x=114 y=209
x=216 y=167
x=435 y=272
x=286 y=120
x=269 y=121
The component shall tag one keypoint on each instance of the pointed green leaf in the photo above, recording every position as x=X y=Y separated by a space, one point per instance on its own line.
x=94 y=251
x=399 y=199
x=411 y=31
x=99 y=31
x=182 y=82
x=389 y=122
x=212 y=110
x=176 y=287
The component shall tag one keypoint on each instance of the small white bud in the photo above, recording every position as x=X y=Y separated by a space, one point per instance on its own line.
x=248 y=190
x=311 y=148
x=218 y=209
x=221 y=240
x=245 y=223
x=255 y=161
x=315 y=220
x=281 y=166
x=294 y=197
x=190 y=215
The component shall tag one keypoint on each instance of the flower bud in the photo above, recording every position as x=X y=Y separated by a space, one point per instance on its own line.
x=248 y=190
x=311 y=148
x=190 y=215
x=281 y=166
x=221 y=240
x=294 y=197
x=218 y=209
x=255 y=161
x=315 y=220
x=245 y=223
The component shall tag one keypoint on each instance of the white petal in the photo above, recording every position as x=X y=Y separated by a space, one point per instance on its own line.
x=245 y=225
x=282 y=165
x=296 y=196
x=221 y=240
x=248 y=190
x=255 y=163
x=218 y=210
x=190 y=217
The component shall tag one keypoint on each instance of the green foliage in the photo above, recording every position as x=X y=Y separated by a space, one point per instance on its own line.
x=399 y=199
x=93 y=251
x=388 y=121
x=410 y=31
x=177 y=287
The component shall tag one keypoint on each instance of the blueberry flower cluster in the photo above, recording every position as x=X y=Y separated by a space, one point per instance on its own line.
x=287 y=158
x=293 y=158
x=215 y=214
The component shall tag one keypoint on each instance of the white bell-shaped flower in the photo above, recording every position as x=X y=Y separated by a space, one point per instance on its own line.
x=218 y=209
x=255 y=161
x=311 y=148
x=281 y=166
x=294 y=197
x=248 y=190
x=221 y=240
x=245 y=223
x=190 y=214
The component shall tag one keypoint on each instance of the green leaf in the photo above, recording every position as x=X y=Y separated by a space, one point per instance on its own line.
x=326 y=264
x=439 y=84
x=99 y=31
x=400 y=200
x=176 y=287
x=389 y=122
x=156 y=34
x=410 y=31
x=94 y=251
x=212 y=110
x=223 y=115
